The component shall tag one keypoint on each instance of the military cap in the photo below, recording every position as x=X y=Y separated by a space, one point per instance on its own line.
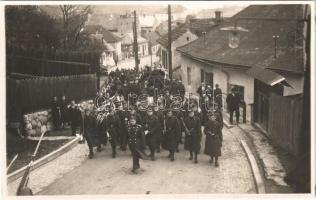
x=149 y=109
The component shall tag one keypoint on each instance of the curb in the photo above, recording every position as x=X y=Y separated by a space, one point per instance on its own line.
x=254 y=168
x=49 y=157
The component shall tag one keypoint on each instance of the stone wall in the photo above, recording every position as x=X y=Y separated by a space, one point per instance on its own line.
x=38 y=122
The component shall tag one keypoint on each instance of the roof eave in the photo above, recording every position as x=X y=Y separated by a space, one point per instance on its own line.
x=235 y=66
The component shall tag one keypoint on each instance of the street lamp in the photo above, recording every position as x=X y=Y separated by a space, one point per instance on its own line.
x=275 y=37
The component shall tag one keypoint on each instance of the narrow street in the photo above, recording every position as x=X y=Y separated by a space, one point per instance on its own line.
x=104 y=175
x=130 y=63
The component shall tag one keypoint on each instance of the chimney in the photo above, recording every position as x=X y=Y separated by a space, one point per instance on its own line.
x=218 y=17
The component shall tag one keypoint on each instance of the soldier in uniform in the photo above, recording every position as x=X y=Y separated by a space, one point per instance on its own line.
x=214 y=138
x=136 y=141
x=192 y=135
x=88 y=130
x=160 y=118
x=170 y=137
x=151 y=128
x=136 y=114
x=179 y=115
x=122 y=114
x=101 y=130
x=113 y=126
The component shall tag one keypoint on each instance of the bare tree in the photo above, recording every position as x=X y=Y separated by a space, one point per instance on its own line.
x=74 y=18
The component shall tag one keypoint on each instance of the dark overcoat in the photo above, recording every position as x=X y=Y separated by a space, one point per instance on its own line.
x=113 y=126
x=151 y=124
x=136 y=140
x=214 y=138
x=193 y=139
x=160 y=118
x=170 y=138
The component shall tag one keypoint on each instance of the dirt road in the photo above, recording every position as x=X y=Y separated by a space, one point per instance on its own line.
x=104 y=175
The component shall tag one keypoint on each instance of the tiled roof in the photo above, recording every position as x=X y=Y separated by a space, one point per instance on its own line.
x=107 y=35
x=152 y=36
x=175 y=34
x=162 y=28
x=257 y=46
x=129 y=39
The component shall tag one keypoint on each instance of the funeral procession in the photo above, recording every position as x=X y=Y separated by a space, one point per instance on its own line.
x=168 y=98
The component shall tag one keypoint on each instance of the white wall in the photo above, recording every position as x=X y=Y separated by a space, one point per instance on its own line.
x=232 y=76
x=182 y=40
x=118 y=49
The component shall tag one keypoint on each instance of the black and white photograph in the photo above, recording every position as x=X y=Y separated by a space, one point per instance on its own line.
x=155 y=99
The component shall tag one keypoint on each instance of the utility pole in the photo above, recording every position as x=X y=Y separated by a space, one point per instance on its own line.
x=169 y=43
x=135 y=42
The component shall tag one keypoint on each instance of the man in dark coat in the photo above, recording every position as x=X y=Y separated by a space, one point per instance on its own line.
x=179 y=115
x=113 y=126
x=170 y=137
x=89 y=127
x=56 y=115
x=74 y=117
x=233 y=101
x=192 y=135
x=160 y=118
x=123 y=116
x=201 y=90
x=136 y=142
x=214 y=138
x=218 y=96
x=63 y=111
x=167 y=99
x=181 y=89
x=101 y=130
x=151 y=131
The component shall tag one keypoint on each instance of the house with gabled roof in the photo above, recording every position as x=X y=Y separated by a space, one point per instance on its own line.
x=108 y=38
x=268 y=60
x=128 y=45
x=180 y=36
x=154 y=46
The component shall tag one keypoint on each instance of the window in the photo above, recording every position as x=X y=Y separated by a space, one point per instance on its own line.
x=188 y=39
x=189 y=75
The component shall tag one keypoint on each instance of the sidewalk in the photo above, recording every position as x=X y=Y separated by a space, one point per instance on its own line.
x=266 y=155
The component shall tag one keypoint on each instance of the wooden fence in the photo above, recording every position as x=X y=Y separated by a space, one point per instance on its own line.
x=45 y=67
x=285 y=122
x=29 y=95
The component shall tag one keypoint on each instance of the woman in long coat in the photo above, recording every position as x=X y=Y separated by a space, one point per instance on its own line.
x=214 y=138
x=193 y=135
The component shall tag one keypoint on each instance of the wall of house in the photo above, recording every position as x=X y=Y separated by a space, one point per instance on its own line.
x=182 y=40
x=155 y=49
x=221 y=76
x=143 y=49
x=176 y=56
x=118 y=49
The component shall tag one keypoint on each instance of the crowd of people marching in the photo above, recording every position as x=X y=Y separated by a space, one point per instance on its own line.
x=160 y=121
